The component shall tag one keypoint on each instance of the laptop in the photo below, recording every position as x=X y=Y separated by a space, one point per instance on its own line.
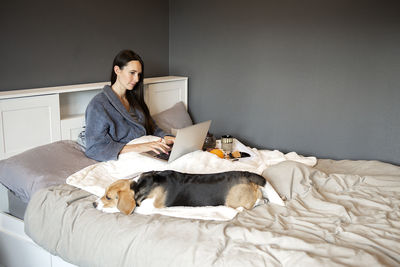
x=187 y=140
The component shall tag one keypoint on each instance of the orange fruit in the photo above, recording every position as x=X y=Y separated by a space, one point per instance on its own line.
x=218 y=152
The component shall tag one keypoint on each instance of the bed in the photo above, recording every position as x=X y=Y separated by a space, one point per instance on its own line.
x=47 y=156
x=335 y=213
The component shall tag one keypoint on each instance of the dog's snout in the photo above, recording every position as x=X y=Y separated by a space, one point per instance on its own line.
x=95 y=204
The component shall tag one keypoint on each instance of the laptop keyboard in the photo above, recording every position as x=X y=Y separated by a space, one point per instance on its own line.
x=164 y=156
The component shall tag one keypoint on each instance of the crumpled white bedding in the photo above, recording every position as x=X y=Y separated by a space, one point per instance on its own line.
x=338 y=213
x=97 y=177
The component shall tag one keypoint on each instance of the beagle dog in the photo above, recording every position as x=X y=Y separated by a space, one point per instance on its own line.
x=170 y=188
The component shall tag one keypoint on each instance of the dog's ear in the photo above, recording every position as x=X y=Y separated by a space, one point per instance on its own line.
x=126 y=201
x=133 y=186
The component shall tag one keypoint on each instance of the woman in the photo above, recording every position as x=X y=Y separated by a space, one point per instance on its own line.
x=119 y=114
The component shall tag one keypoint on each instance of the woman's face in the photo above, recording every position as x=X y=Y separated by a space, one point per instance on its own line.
x=129 y=75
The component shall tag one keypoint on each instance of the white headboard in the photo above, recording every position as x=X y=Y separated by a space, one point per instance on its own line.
x=33 y=117
x=161 y=94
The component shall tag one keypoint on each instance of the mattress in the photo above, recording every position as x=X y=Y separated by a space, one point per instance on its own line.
x=16 y=206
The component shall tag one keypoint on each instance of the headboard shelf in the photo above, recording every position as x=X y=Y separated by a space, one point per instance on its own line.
x=77 y=87
x=51 y=90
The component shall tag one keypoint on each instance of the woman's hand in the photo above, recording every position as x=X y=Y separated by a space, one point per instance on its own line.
x=169 y=140
x=155 y=146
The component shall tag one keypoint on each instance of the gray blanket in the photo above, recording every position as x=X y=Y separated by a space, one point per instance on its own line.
x=338 y=213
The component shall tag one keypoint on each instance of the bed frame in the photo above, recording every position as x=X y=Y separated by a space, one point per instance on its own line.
x=60 y=113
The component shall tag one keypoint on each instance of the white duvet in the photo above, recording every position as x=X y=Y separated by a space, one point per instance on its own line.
x=97 y=177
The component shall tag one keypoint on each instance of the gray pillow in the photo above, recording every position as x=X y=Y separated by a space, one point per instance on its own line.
x=41 y=167
x=291 y=179
x=175 y=117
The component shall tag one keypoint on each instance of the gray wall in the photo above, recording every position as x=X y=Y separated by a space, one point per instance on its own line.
x=48 y=43
x=316 y=77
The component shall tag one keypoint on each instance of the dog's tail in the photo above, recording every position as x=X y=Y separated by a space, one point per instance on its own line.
x=255 y=178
